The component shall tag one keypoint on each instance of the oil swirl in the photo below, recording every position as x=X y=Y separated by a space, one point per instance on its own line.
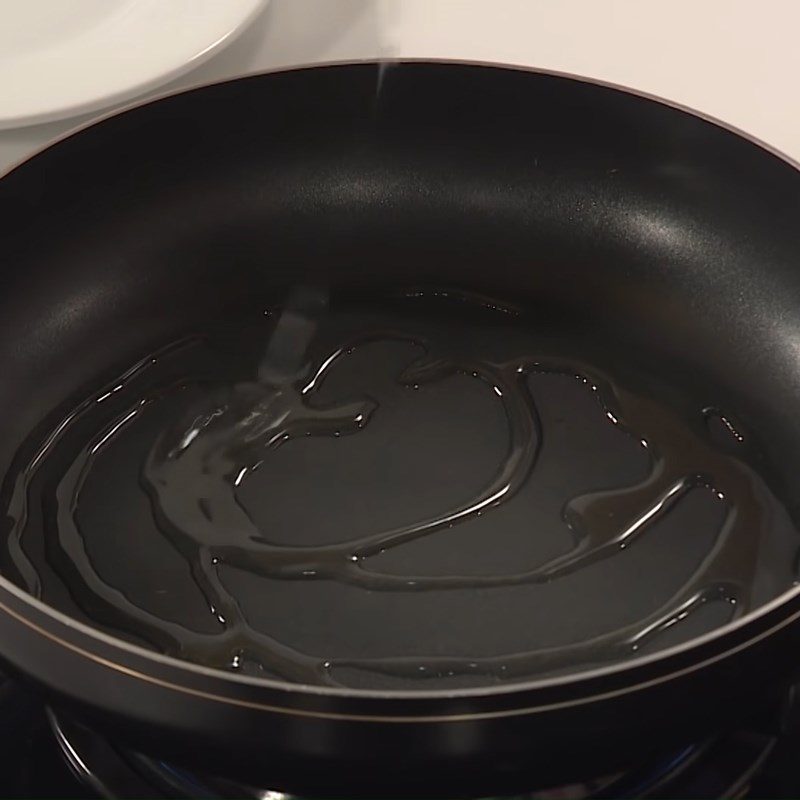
x=196 y=466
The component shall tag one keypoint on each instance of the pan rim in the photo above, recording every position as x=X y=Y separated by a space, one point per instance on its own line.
x=719 y=637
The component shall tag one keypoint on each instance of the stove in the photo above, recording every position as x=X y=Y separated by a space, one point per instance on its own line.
x=45 y=754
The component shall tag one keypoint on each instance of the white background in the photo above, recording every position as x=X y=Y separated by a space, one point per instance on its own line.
x=736 y=60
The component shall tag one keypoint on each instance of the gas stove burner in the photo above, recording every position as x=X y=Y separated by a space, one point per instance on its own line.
x=722 y=767
x=44 y=753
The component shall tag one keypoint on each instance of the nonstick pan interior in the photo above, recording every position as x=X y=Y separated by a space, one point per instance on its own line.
x=637 y=239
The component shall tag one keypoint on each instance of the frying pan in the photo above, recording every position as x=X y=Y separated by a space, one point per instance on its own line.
x=668 y=238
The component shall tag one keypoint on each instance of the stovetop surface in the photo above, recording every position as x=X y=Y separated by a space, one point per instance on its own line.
x=45 y=756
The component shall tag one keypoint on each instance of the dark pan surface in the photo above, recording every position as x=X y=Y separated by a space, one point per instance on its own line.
x=661 y=245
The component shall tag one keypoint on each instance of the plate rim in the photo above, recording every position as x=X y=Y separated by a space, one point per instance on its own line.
x=138 y=88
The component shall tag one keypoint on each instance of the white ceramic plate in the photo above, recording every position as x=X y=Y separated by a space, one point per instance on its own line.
x=59 y=58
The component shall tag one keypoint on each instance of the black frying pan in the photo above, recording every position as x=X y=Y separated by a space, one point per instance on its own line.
x=670 y=239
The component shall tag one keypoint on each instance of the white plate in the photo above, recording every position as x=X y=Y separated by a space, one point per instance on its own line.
x=59 y=58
